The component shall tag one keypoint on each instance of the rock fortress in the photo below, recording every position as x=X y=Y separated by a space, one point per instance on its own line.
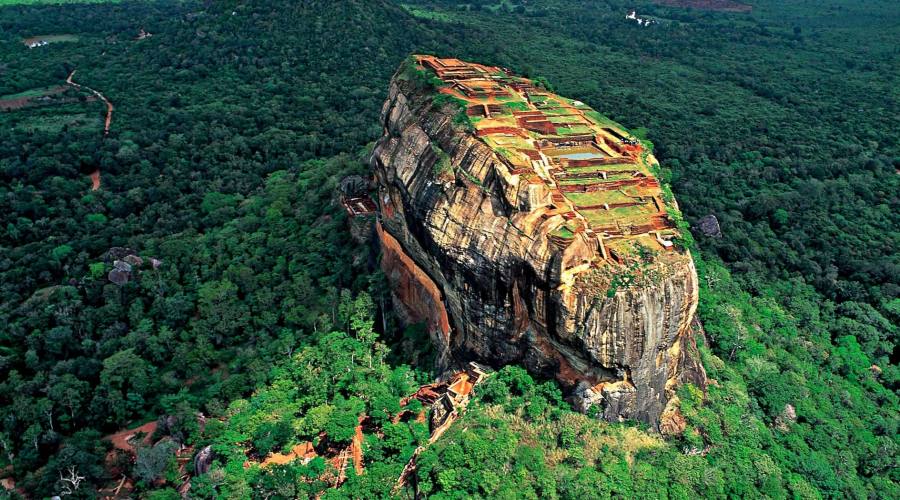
x=525 y=227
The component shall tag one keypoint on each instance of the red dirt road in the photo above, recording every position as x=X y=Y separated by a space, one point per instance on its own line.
x=356 y=450
x=109 y=106
x=95 y=180
x=95 y=175
x=121 y=438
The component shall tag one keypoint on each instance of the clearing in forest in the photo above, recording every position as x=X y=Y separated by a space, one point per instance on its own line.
x=37 y=41
x=28 y=97
x=124 y=439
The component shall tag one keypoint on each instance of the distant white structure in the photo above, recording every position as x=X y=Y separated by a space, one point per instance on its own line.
x=38 y=43
x=632 y=16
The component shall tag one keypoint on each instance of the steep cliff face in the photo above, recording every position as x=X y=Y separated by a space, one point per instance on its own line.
x=509 y=238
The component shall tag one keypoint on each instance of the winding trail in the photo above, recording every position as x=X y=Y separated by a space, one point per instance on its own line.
x=95 y=175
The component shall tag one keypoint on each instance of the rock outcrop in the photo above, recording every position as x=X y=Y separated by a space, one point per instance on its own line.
x=709 y=226
x=506 y=265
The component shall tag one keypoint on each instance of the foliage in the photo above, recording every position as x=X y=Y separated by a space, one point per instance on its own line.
x=234 y=123
x=321 y=392
x=443 y=165
x=152 y=461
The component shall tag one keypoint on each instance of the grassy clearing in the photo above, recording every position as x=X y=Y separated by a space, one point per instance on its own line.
x=507 y=143
x=555 y=111
x=55 y=123
x=509 y=155
x=594 y=441
x=515 y=106
x=618 y=176
x=597 y=198
x=641 y=211
x=576 y=182
x=432 y=15
x=30 y=93
x=51 y=38
x=601 y=120
x=577 y=130
x=625 y=215
x=598 y=217
x=589 y=170
x=565 y=119
x=563 y=232
x=634 y=191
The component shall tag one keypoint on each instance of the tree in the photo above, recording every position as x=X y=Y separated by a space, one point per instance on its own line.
x=60 y=253
x=272 y=436
x=152 y=461
x=221 y=309
x=124 y=381
x=341 y=425
x=71 y=480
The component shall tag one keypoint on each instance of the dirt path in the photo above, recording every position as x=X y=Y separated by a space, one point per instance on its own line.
x=95 y=180
x=109 y=106
x=120 y=440
x=95 y=175
x=356 y=450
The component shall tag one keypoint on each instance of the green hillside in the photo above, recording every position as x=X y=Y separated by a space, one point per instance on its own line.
x=234 y=124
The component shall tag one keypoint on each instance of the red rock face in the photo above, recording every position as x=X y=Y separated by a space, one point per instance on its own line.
x=418 y=295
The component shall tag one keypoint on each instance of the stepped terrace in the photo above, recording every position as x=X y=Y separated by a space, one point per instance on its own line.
x=597 y=174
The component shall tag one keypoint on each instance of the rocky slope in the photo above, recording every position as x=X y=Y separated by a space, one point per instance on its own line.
x=477 y=253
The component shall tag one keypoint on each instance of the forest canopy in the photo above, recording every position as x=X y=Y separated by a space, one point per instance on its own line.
x=234 y=124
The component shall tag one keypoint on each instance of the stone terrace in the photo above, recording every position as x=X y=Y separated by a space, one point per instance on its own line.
x=597 y=174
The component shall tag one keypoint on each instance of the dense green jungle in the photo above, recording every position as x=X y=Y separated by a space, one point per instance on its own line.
x=234 y=124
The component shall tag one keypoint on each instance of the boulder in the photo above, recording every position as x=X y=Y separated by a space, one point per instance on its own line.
x=709 y=226
x=786 y=418
x=354 y=185
x=203 y=460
